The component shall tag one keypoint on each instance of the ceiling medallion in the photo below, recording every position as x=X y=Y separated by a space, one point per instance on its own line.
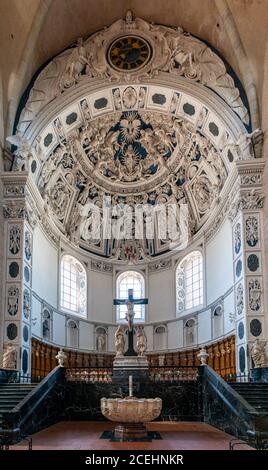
x=129 y=53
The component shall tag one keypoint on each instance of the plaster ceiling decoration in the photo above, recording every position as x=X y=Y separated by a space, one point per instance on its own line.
x=169 y=50
x=138 y=112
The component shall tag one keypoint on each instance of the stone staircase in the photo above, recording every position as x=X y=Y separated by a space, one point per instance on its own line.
x=11 y=394
x=256 y=394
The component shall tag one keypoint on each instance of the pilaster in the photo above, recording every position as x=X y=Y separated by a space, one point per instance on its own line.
x=248 y=262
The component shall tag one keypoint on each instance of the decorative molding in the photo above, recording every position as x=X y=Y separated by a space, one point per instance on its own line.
x=174 y=52
x=160 y=265
x=102 y=267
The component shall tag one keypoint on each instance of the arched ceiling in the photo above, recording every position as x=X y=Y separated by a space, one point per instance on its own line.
x=140 y=113
x=33 y=31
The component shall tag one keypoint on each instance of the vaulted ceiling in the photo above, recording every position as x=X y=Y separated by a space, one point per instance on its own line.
x=33 y=31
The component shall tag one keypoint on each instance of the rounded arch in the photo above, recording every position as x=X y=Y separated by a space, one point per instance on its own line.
x=101 y=335
x=189 y=282
x=160 y=337
x=73 y=285
x=190 y=333
x=135 y=281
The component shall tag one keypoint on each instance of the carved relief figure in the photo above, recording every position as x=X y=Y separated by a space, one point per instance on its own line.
x=252 y=236
x=239 y=299
x=237 y=238
x=119 y=341
x=10 y=358
x=14 y=239
x=258 y=354
x=28 y=246
x=13 y=301
x=77 y=63
x=141 y=341
x=254 y=288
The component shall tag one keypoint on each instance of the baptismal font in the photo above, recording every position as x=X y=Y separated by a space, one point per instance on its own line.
x=131 y=414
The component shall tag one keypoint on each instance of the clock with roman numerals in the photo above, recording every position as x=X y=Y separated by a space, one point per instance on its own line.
x=129 y=53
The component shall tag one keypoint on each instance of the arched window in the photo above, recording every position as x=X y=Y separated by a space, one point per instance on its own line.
x=73 y=286
x=130 y=280
x=189 y=282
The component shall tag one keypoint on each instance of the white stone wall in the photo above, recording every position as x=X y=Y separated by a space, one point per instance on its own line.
x=160 y=289
x=219 y=265
x=45 y=268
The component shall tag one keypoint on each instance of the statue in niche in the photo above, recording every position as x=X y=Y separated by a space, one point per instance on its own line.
x=119 y=341
x=258 y=354
x=10 y=358
x=101 y=342
x=190 y=332
x=46 y=329
x=141 y=341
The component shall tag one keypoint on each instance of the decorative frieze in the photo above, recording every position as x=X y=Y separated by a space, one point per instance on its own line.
x=160 y=265
x=102 y=267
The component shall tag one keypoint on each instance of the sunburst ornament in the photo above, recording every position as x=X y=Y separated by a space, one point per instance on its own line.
x=130 y=127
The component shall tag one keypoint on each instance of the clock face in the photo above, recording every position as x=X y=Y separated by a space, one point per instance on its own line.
x=129 y=53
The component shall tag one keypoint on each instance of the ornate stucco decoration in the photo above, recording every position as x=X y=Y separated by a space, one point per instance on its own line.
x=133 y=157
x=173 y=51
x=130 y=113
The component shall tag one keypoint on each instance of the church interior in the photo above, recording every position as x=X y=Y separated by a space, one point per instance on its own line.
x=133 y=224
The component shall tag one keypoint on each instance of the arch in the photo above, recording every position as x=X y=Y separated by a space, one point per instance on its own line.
x=190 y=336
x=160 y=338
x=101 y=338
x=73 y=286
x=189 y=282
x=130 y=280
x=46 y=324
x=72 y=333
x=217 y=321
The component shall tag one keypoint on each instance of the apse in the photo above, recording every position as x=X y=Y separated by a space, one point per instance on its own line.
x=136 y=115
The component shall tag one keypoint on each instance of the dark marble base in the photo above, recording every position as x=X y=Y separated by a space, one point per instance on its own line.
x=260 y=374
x=122 y=375
x=181 y=401
x=151 y=435
x=7 y=375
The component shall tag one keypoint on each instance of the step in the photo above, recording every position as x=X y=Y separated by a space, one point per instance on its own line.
x=17 y=386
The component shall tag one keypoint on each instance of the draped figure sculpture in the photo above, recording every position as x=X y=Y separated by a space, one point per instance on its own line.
x=119 y=341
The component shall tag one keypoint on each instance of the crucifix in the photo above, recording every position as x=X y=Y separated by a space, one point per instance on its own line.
x=130 y=302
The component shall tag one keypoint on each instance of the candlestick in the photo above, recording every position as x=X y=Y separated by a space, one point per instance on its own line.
x=130 y=386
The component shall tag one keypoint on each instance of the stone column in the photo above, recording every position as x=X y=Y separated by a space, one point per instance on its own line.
x=17 y=278
x=248 y=263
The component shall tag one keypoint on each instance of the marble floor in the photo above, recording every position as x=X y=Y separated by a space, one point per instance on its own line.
x=85 y=435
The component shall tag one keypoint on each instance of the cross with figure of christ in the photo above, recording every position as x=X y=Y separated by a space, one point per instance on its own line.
x=130 y=302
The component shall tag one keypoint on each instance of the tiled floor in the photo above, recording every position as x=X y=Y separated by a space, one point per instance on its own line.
x=81 y=435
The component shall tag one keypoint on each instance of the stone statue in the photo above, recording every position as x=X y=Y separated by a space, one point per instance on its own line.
x=61 y=356
x=22 y=153
x=141 y=341
x=203 y=355
x=130 y=315
x=101 y=343
x=119 y=341
x=258 y=354
x=10 y=358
